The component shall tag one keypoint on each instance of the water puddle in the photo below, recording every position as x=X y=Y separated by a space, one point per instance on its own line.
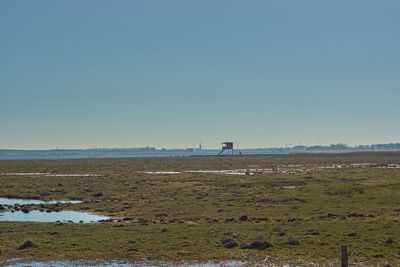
x=48 y=174
x=283 y=169
x=231 y=172
x=395 y=166
x=20 y=201
x=161 y=172
x=42 y=216
x=227 y=172
x=18 y=214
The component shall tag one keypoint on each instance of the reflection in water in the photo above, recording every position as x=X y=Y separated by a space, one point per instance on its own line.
x=20 y=201
x=41 y=216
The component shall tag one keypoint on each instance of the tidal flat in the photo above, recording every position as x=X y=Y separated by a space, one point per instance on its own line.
x=276 y=209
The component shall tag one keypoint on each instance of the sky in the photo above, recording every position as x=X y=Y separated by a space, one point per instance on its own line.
x=173 y=74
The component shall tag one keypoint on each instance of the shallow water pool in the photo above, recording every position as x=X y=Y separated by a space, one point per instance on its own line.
x=42 y=216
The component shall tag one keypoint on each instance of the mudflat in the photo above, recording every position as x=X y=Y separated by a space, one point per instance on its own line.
x=282 y=208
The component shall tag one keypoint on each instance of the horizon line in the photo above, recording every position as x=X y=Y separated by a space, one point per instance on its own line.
x=197 y=148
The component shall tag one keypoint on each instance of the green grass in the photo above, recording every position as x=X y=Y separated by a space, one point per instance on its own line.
x=358 y=207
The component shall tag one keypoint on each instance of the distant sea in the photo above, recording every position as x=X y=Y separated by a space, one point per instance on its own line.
x=82 y=154
x=12 y=154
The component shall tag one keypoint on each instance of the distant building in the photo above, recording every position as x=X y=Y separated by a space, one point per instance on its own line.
x=227 y=149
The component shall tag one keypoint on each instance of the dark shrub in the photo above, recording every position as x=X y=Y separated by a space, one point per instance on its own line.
x=27 y=244
x=260 y=242
x=389 y=241
x=229 y=243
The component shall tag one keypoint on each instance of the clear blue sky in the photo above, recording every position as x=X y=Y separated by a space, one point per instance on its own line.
x=79 y=74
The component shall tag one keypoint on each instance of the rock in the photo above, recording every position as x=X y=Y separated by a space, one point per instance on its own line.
x=99 y=194
x=25 y=210
x=54 y=233
x=27 y=244
x=106 y=220
x=243 y=218
x=352 y=234
x=355 y=215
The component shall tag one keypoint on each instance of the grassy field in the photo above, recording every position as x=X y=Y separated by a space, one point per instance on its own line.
x=289 y=208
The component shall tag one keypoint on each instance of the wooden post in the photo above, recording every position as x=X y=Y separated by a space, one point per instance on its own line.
x=345 y=262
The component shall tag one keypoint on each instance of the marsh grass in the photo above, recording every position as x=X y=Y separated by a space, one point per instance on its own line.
x=306 y=215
